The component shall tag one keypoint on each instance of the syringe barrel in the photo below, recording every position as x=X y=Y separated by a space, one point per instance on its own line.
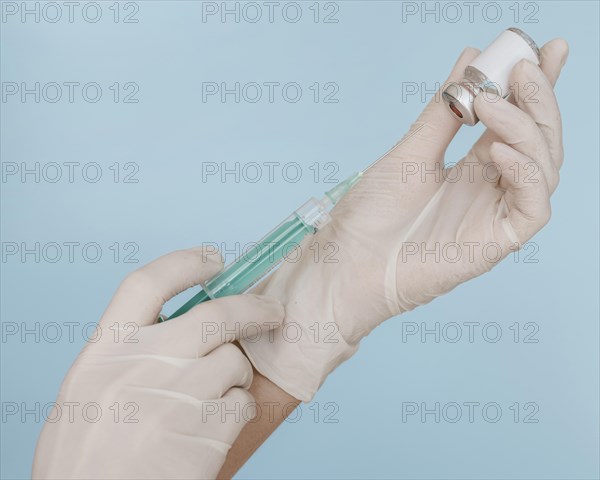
x=259 y=260
x=262 y=258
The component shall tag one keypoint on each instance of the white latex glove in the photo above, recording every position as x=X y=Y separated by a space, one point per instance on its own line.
x=386 y=225
x=172 y=396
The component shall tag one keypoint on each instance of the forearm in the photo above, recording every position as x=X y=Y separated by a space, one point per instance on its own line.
x=274 y=406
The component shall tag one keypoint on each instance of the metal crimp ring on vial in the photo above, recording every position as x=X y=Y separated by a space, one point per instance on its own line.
x=460 y=98
x=529 y=41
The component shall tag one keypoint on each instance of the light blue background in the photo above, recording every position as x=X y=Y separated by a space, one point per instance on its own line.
x=368 y=53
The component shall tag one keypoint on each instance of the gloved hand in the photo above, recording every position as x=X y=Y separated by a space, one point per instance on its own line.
x=156 y=401
x=412 y=230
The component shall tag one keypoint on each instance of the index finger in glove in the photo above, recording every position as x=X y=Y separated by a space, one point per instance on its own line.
x=210 y=324
x=429 y=137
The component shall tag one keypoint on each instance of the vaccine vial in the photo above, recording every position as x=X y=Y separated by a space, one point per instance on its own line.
x=489 y=72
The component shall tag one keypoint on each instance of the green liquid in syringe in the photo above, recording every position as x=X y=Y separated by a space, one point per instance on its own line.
x=263 y=257
x=254 y=264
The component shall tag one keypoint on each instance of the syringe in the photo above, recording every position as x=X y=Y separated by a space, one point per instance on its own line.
x=268 y=253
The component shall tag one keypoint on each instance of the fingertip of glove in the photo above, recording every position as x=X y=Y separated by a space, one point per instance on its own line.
x=525 y=65
x=470 y=51
x=558 y=47
x=208 y=254
x=468 y=54
x=484 y=104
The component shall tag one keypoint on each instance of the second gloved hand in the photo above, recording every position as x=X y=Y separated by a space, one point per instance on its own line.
x=412 y=230
x=157 y=401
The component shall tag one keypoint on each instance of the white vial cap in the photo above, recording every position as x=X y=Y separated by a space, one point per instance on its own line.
x=497 y=61
x=490 y=70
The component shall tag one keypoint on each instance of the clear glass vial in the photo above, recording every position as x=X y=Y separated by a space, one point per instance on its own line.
x=490 y=72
